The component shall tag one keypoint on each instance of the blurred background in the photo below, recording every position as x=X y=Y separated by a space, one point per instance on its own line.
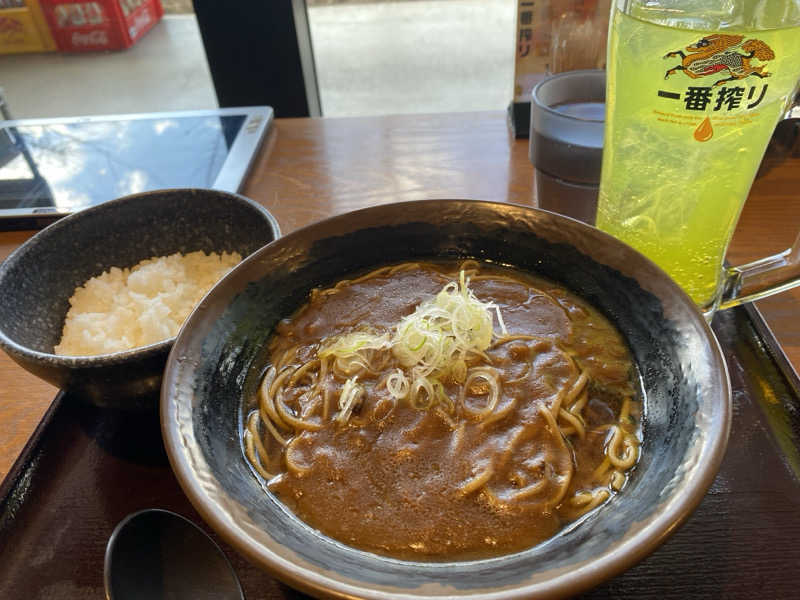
x=73 y=57
x=377 y=57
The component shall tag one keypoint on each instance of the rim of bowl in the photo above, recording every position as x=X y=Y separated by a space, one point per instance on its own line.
x=55 y=228
x=610 y=564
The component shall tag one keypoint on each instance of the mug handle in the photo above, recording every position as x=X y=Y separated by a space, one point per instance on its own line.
x=766 y=276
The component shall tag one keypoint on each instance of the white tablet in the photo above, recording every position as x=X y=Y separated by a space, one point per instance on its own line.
x=52 y=167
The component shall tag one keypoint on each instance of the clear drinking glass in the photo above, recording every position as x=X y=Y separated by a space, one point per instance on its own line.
x=566 y=142
x=695 y=89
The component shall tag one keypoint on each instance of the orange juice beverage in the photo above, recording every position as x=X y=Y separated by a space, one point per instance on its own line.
x=689 y=113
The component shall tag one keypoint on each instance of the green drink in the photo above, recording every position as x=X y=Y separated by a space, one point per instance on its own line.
x=689 y=115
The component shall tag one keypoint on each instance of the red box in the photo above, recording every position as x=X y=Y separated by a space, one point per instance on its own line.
x=79 y=26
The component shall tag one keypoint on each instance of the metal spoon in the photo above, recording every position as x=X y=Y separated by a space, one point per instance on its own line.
x=158 y=554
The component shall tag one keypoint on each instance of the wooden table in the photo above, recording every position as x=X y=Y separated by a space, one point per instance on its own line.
x=309 y=169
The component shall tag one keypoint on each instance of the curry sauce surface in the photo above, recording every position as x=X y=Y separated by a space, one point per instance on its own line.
x=400 y=481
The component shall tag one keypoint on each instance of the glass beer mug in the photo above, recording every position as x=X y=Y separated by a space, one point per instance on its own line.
x=695 y=89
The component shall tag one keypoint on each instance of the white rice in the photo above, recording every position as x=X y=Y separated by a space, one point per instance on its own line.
x=127 y=308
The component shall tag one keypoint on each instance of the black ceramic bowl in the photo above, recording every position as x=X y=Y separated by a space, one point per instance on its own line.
x=211 y=371
x=38 y=279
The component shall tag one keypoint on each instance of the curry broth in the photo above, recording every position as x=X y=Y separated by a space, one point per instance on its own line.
x=439 y=482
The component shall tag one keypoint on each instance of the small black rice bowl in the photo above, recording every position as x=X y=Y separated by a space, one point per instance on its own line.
x=37 y=280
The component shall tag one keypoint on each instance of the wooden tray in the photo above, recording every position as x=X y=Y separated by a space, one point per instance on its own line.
x=85 y=469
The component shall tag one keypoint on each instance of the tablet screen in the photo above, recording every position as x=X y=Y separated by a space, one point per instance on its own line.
x=73 y=165
x=52 y=167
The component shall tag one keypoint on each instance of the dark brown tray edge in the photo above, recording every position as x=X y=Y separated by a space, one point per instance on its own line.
x=773 y=347
x=14 y=474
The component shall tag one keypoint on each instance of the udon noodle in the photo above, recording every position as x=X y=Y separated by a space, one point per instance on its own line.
x=444 y=411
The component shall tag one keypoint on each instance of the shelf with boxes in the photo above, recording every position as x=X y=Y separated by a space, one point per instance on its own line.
x=75 y=25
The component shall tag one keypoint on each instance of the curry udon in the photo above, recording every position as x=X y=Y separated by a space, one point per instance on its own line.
x=444 y=411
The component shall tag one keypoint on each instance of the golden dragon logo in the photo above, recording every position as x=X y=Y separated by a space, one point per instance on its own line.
x=716 y=53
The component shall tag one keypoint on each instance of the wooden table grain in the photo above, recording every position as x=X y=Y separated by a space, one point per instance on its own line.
x=309 y=169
